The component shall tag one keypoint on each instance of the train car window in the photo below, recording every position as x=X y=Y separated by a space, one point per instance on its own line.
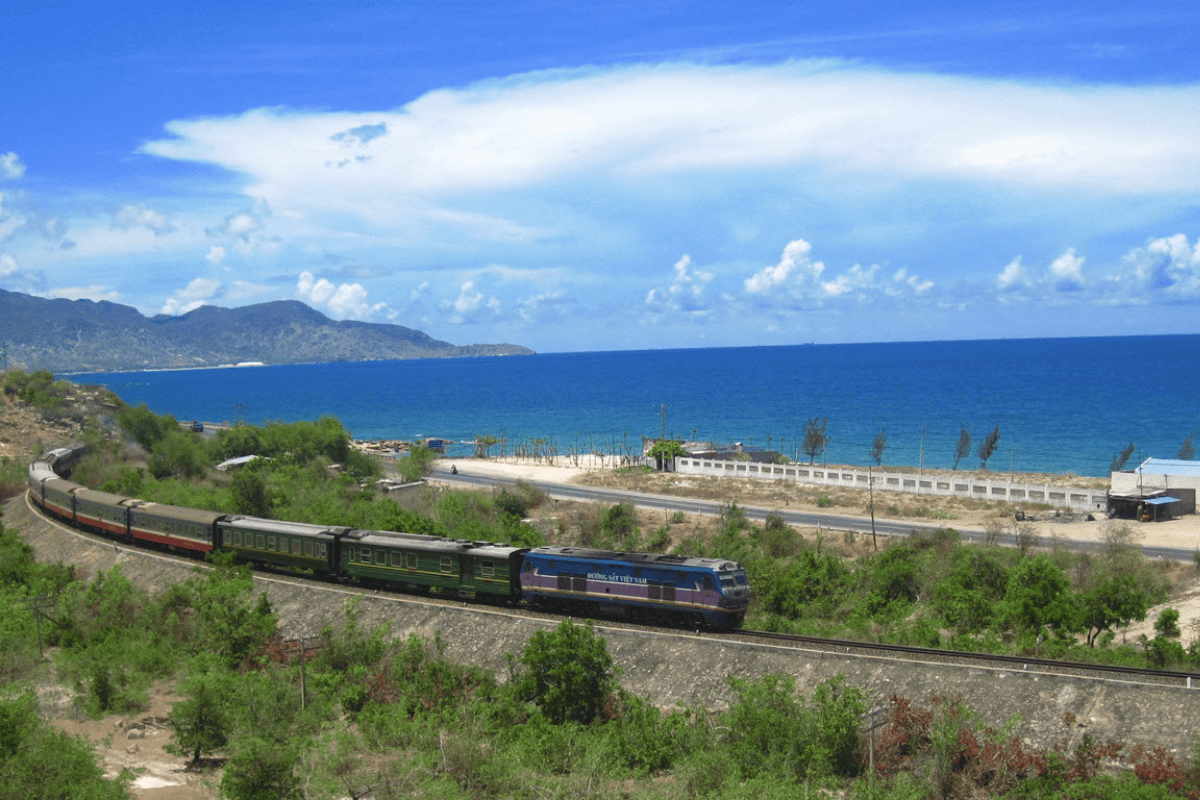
x=260 y=541
x=579 y=583
x=308 y=549
x=564 y=582
x=708 y=583
x=410 y=560
x=394 y=559
x=365 y=555
x=668 y=592
x=487 y=569
x=655 y=590
x=295 y=547
x=381 y=557
x=270 y=542
x=322 y=551
x=447 y=564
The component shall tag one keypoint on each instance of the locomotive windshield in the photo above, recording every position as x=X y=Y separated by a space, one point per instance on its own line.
x=732 y=579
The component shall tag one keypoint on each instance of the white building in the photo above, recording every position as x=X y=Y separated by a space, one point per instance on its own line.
x=1158 y=478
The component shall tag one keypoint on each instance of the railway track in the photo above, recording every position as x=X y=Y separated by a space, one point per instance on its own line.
x=845 y=647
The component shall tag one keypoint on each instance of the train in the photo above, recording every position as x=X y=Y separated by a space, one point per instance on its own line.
x=673 y=589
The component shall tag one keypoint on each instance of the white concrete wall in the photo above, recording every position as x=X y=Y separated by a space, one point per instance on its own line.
x=1073 y=498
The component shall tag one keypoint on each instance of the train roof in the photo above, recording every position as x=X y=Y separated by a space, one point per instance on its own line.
x=432 y=543
x=638 y=559
x=277 y=526
x=175 y=512
x=97 y=496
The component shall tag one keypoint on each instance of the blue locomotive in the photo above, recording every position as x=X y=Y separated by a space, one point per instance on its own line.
x=699 y=592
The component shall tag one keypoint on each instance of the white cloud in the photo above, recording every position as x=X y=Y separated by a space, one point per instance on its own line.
x=16 y=279
x=93 y=292
x=342 y=301
x=215 y=255
x=645 y=121
x=471 y=305
x=685 y=292
x=1013 y=277
x=794 y=261
x=11 y=166
x=1067 y=272
x=140 y=216
x=196 y=294
x=1166 y=268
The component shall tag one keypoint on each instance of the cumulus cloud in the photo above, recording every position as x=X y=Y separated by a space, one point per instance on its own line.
x=1166 y=267
x=342 y=301
x=796 y=277
x=129 y=217
x=1062 y=278
x=1013 y=277
x=686 y=292
x=215 y=255
x=11 y=166
x=795 y=266
x=194 y=295
x=1067 y=272
x=471 y=305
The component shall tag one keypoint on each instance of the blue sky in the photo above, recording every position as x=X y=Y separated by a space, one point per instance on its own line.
x=613 y=175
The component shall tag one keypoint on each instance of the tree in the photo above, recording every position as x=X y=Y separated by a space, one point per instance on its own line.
x=1120 y=458
x=1167 y=623
x=815 y=439
x=1114 y=602
x=1038 y=595
x=1187 y=450
x=568 y=673
x=250 y=495
x=963 y=448
x=878 y=445
x=666 y=450
x=37 y=761
x=417 y=464
x=987 y=447
x=202 y=723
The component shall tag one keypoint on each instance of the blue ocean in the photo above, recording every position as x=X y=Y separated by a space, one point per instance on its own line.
x=1061 y=405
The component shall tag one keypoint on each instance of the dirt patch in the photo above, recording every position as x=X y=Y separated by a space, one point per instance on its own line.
x=135 y=742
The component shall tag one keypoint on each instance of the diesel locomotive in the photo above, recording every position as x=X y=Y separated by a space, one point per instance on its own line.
x=698 y=592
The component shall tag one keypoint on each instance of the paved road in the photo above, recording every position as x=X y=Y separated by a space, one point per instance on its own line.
x=803 y=519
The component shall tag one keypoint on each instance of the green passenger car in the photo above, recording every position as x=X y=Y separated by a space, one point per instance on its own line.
x=451 y=566
x=287 y=544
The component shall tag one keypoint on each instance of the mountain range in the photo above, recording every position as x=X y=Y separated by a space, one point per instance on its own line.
x=88 y=336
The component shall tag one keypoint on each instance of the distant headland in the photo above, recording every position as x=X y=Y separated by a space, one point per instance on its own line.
x=87 y=336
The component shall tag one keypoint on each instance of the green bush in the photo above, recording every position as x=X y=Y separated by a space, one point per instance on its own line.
x=568 y=673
